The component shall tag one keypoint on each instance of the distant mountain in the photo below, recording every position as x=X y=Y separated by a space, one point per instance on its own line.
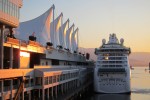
x=135 y=58
x=139 y=58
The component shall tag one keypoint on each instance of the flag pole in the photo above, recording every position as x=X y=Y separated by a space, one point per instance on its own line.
x=77 y=40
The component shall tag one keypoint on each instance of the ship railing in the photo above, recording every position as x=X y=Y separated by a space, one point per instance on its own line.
x=113 y=61
x=113 y=68
x=12 y=41
x=21 y=42
x=113 y=58
x=112 y=52
x=124 y=64
x=33 y=43
x=113 y=79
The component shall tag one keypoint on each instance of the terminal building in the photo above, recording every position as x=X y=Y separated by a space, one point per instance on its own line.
x=9 y=19
x=31 y=71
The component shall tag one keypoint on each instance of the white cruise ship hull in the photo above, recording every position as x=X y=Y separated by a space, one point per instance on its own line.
x=112 y=71
x=112 y=82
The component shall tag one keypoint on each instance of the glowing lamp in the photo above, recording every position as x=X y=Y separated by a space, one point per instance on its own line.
x=24 y=54
x=106 y=58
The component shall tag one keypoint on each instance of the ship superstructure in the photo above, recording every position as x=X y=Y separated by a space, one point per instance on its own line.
x=112 y=71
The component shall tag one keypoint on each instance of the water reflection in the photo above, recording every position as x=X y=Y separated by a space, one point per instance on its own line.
x=111 y=96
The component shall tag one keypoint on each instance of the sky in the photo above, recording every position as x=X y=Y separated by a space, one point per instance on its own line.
x=96 y=19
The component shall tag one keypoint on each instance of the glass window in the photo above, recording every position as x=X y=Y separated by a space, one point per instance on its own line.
x=17 y=12
x=8 y=7
x=13 y=12
x=3 y=5
x=0 y=4
x=11 y=9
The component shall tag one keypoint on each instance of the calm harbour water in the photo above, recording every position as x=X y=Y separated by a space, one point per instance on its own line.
x=140 y=87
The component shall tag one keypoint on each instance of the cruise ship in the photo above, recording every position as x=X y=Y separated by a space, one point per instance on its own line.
x=112 y=71
x=39 y=59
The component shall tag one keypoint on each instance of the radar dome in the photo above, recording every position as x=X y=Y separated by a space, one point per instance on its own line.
x=103 y=41
x=121 y=40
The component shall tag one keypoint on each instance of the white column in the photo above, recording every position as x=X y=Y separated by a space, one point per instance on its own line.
x=48 y=80
x=11 y=87
x=19 y=54
x=43 y=94
x=39 y=93
x=11 y=51
x=52 y=92
x=52 y=87
x=1 y=46
x=71 y=85
x=2 y=89
x=65 y=87
x=62 y=88
x=43 y=90
x=68 y=85
x=30 y=95
x=11 y=56
x=56 y=91
x=18 y=85
x=29 y=82
x=48 y=93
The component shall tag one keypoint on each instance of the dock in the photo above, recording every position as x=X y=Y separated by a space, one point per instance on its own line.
x=49 y=83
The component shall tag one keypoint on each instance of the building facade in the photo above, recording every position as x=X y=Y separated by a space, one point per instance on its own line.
x=29 y=71
x=9 y=19
x=9 y=12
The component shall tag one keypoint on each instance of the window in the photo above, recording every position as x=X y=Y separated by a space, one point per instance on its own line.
x=50 y=80
x=0 y=4
x=46 y=80
x=46 y=63
x=54 y=79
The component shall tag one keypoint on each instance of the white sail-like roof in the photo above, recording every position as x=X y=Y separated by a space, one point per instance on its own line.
x=62 y=33
x=40 y=26
x=54 y=30
x=74 y=40
x=68 y=37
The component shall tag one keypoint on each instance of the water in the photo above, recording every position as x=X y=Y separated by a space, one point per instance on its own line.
x=140 y=87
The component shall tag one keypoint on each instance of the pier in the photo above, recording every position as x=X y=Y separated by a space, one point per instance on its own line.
x=42 y=79
x=44 y=84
